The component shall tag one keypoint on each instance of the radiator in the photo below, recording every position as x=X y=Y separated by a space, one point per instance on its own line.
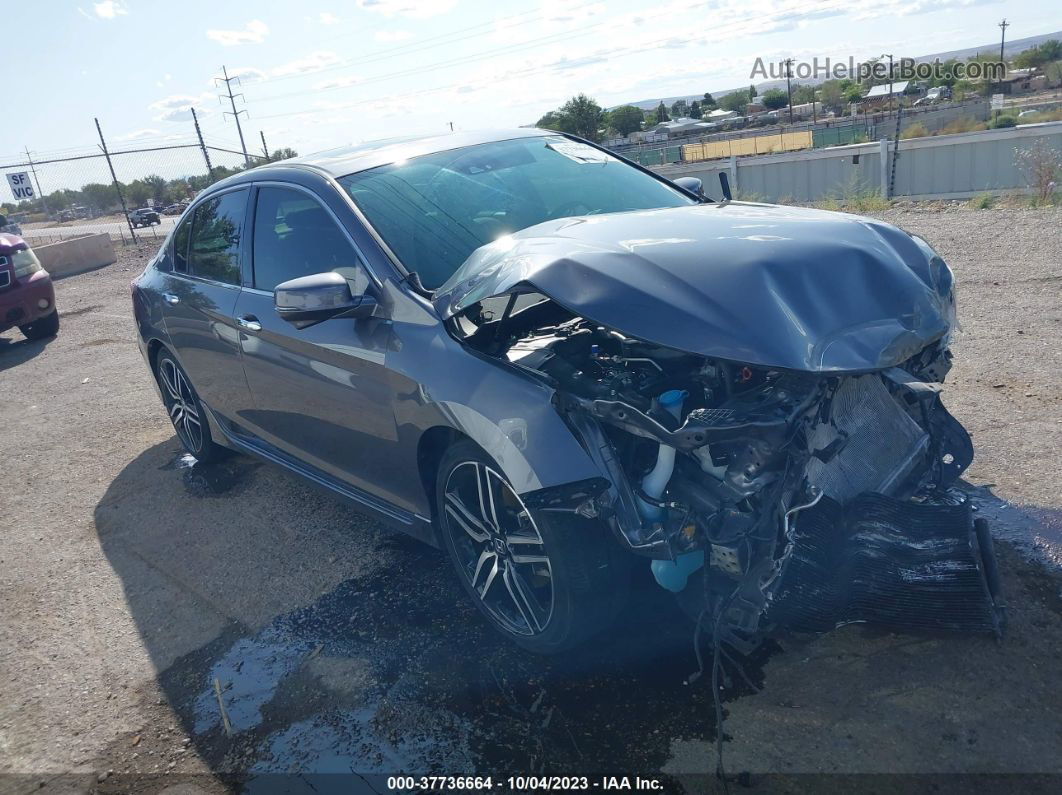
x=881 y=444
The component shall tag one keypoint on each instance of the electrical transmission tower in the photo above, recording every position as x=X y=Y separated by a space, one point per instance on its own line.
x=232 y=102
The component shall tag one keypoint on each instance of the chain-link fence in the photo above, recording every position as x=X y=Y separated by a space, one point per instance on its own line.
x=131 y=193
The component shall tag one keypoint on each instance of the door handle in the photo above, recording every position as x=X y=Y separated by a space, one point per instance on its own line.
x=171 y=299
x=249 y=322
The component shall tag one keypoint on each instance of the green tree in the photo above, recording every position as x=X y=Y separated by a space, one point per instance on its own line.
x=678 y=109
x=775 y=99
x=803 y=94
x=551 y=121
x=735 y=101
x=1053 y=73
x=831 y=95
x=625 y=119
x=1050 y=50
x=137 y=193
x=753 y=93
x=581 y=116
x=708 y=101
x=695 y=110
x=282 y=154
x=853 y=94
x=99 y=197
x=661 y=113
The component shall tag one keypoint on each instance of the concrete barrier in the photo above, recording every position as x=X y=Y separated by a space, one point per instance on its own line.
x=76 y=255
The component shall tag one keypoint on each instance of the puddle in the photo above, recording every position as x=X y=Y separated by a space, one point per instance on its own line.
x=1034 y=531
x=396 y=672
x=212 y=480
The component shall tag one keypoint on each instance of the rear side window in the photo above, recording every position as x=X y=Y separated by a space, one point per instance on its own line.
x=214 y=248
x=295 y=236
x=180 y=246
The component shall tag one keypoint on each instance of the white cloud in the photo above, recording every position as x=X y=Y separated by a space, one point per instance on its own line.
x=254 y=32
x=177 y=107
x=327 y=18
x=413 y=9
x=339 y=82
x=313 y=62
x=109 y=9
x=391 y=36
x=137 y=134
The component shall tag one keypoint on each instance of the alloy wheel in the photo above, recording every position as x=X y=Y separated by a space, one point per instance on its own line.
x=499 y=549
x=181 y=405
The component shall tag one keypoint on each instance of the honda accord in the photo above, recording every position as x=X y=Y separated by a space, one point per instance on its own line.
x=560 y=367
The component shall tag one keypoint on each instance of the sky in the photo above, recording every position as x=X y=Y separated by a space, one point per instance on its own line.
x=321 y=73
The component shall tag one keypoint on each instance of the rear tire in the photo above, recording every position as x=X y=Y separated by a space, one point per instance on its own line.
x=185 y=411
x=42 y=327
x=546 y=581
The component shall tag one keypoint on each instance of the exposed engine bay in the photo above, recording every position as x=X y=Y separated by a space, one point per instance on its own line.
x=764 y=497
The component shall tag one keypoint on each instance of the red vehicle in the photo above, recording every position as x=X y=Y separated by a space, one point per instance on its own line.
x=27 y=297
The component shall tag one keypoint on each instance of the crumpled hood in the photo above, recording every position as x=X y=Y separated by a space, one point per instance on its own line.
x=760 y=284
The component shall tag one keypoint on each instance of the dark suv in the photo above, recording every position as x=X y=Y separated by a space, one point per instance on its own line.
x=563 y=368
x=145 y=216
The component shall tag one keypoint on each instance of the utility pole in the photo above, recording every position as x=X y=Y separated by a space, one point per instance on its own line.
x=1002 y=37
x=889 y=56
x=114 y=179
x=265 y=149
x=33 y=171
x=788 y=85
x=451 y=126
x=235 y=113
x=202 y=146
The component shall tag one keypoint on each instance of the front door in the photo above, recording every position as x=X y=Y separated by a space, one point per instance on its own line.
x=321 y=394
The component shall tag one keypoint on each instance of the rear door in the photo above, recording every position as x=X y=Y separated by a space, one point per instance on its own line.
x=200 y=292
x=321 y=394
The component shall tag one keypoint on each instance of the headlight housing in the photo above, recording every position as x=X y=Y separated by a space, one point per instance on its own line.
x=25 y=262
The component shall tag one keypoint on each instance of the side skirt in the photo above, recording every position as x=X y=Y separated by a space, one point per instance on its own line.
x=420 y=527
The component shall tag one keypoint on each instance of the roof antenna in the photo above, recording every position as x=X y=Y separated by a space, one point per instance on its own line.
x=724 y=183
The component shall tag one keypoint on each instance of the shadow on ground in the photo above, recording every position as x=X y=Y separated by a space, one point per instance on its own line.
x=14 y=352
x=389 y=670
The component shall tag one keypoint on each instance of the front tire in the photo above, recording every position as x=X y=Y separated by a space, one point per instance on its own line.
x=185 y=411
x=42 y=327
x=547 y=582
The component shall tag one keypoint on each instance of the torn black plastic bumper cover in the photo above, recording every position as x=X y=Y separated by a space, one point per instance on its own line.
x=891 y=563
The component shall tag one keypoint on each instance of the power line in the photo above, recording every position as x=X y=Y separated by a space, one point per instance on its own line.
x=530 y=71
x=415 y=46
x=235 y=113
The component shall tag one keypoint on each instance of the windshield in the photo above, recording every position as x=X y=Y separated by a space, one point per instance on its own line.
x=435 y=210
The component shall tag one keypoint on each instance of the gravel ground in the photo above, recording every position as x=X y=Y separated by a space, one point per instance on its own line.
x=131 y=581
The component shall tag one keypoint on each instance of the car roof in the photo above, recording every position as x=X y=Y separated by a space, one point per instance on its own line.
x=358 y=157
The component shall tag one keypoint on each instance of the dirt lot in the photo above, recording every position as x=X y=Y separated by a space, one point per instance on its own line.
x=132 y=582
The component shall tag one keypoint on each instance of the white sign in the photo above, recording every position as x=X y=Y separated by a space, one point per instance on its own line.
x=21 y=187
x=997 y=102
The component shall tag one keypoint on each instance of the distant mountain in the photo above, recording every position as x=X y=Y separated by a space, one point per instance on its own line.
x=1010 y=49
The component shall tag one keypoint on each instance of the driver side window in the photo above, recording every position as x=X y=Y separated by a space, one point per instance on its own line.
x=294 y=235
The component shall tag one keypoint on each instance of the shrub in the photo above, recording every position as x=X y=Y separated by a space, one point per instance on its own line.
x=962 y=125
x=982 y=201
x=1002 y=121
x=916 y=130
x=1041 y=165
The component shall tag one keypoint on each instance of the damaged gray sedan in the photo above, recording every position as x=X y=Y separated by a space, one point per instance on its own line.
x=561 y=368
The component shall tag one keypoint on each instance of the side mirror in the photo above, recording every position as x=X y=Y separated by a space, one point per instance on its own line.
x=691 y=184
x=309 y=300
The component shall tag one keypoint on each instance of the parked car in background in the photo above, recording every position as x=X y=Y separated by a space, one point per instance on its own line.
x=145 y=216
x=563 y=368
x=27 y=297
x=173 y=209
